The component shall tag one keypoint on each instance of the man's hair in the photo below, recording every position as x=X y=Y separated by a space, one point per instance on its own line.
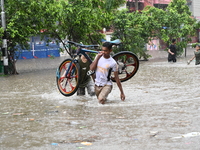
x=173 y=40
x=108 y=45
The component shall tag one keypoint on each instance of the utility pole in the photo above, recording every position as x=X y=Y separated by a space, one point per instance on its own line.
x=4 y=45
x=136 y=5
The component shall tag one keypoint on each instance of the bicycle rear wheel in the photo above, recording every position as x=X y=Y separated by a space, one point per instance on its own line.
x=68 y=77
x=128 y=65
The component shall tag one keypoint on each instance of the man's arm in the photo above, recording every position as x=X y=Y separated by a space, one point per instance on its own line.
x=192 y=58
x=119 y=85
x=93 y=65
x=169 y=51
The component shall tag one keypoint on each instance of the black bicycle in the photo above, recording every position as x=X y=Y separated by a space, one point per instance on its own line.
x=68 y=74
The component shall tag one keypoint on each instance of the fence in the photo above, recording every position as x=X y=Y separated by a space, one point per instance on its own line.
x=39 y=49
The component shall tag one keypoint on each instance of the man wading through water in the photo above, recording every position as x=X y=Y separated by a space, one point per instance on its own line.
x=86 y=81
x=101 y=65
x=172 y=51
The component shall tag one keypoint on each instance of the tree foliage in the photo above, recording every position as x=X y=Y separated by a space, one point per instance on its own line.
x=174 y=23
x=133 y=29
x=77 y=20
x=136 y=29
x=20 y=26
x=80 y=21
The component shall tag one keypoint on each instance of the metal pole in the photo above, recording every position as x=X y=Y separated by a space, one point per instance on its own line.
x=4 y=46
x=185 y=51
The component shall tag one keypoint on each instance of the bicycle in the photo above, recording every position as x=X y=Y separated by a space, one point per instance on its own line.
x=68 y=73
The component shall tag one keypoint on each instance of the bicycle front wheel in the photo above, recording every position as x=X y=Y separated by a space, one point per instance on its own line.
x=128 y=65
x=68 y=77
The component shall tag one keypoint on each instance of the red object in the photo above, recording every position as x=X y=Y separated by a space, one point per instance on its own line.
x=24 y=57
x=43 y=30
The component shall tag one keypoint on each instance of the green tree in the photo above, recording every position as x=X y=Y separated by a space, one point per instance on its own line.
x=23 y=21
x=77 y=20
x=134 y=31
x=177 y=22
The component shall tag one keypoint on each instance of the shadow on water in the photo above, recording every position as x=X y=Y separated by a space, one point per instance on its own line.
x=162 y=102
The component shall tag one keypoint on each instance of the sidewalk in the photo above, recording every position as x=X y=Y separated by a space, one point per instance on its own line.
x=24 y=65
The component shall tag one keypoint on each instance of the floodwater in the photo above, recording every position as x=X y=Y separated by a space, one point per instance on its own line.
x=161 y=110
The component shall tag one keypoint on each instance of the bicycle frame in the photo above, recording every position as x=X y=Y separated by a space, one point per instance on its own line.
x=84 y=52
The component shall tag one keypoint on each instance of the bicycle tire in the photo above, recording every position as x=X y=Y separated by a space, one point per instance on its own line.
x=128 y=65
x=69 y=83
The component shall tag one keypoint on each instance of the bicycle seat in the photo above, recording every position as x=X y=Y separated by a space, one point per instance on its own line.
x=114 y=42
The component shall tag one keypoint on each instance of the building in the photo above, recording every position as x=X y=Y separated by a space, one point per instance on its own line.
x=194 y=6
x=162 y=4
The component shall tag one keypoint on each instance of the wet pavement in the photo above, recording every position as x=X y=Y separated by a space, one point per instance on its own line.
x=161 y=110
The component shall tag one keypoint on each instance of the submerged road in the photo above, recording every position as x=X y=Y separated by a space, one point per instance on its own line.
x=161 y=110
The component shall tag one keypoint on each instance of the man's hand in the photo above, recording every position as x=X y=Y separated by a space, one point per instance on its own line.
x=99 y=54
x=122 y=97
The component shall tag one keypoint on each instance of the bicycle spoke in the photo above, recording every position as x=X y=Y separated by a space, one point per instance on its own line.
x=72 y=87
x=69 y=84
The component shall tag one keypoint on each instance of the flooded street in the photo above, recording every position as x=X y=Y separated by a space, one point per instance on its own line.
x=161 y=110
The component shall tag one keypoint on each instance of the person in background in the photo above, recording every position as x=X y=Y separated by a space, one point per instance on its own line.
x=172 y=51
x=196 y=55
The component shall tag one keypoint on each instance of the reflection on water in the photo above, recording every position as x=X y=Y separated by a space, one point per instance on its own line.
x=161 y=98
